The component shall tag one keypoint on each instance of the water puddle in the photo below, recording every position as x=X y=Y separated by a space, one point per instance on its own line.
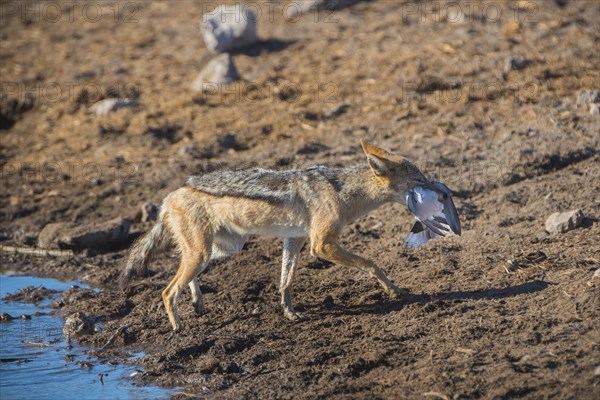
x=29 y=371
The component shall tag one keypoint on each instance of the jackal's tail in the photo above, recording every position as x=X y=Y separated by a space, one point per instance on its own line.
x=141 y=252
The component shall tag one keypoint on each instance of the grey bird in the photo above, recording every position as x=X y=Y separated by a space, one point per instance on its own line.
x=435 y=213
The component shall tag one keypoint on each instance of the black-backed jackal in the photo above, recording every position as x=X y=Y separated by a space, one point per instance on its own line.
x=213 y=215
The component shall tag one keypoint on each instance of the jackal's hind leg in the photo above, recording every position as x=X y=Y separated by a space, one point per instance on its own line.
x=291 y=254
x=191 y=265
x=194 y=239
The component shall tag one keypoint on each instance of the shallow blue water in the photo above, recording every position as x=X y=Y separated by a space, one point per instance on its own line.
x=47 y=375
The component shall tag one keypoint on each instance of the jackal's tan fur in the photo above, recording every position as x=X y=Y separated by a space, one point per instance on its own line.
x=213 y=215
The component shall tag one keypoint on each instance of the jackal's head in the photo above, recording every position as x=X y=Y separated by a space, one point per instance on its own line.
x=393 y=172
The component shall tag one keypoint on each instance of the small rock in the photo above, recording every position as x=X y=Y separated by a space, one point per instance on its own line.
x=597 y=371
x=50 y=234
x=106 y=106
x=563 y=222
x=149 y=212
x=516 y=62
x=219 y=71
x=98 y=235
x=594 y=110
x=78 y=324
x=596 y=274
x=5 y=317
x=588 y=97
x=228 y=28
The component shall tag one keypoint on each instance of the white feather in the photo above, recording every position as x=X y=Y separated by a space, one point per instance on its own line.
x=414 y=240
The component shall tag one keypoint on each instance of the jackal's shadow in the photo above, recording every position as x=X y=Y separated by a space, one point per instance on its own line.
x=388 y=306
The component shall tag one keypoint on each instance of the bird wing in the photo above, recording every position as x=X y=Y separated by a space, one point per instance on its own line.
x=449 y=208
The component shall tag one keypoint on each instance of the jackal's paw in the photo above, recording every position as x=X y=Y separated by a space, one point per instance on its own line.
x=198 y=308
x=294 y=315
x=396 y=292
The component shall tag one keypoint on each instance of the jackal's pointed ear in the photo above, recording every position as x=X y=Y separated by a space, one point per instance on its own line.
x=378 y=159
x=371 y=150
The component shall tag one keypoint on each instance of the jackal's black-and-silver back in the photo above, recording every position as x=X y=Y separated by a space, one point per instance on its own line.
x=262 y=184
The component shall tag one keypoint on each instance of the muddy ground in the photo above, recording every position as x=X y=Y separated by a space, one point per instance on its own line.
x=500 y=104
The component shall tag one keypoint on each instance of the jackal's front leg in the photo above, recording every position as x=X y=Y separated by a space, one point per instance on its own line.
x=291 y=254
x=335 y=253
